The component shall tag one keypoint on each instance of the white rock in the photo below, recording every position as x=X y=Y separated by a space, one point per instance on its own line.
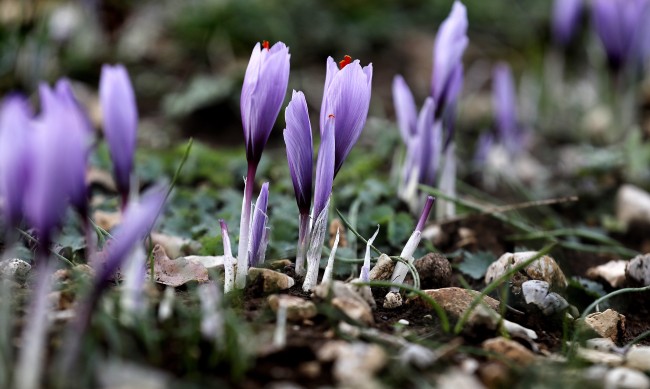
x=208 y=261
x=599 y=357
x=613 y=272
x=625 y=378
x=638 y=358
x=392 y=300
x=403 y=322
x=606 y=324
x=604 y=344
x=455 y=378
x=638 y=269
x=632 y=204
x=14 y=268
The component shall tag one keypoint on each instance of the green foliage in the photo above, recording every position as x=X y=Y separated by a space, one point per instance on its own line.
x=476 y=264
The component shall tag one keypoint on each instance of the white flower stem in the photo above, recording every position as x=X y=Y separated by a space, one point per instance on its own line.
x=244 y=228
x=327 y=275
x=303 y=239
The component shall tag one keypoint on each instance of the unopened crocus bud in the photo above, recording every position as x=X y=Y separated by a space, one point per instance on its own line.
x=504 y=101
x=16 y=131
x=298 y=139
x=265 y=85
x=120 y=120
x=564 y=19
x=347 y=97
x=405 y=109
x=450 y=44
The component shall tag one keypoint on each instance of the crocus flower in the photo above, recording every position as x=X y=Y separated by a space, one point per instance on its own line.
x=504 y=101
x=298 y=139
x=405 y=109
x=620 y=25
x=565 y=18
x=400 y=271
x=322 y=193
x=265 y=85
x=259 y=230
x=15 y=160
x=139 y=218
x=450 y=44
x=347 y=97
x=483 y=146
x=61 y=102
x=120 y=120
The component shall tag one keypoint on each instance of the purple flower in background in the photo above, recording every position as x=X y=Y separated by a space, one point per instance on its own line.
x=504 y=101
x=564 y=20
x=427 y=146
x=120 y=118
x=620 y=26
x=450 y=44
x=405 y=109
x=300 y=149
x=259 y=231
x=346 y=96
x=61 y=103
x=483 y=146
x=16 y=131
x=265 y=85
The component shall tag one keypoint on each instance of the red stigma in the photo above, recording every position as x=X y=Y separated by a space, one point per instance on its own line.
x=331 y=116
x=265 y=44
x=345 y=61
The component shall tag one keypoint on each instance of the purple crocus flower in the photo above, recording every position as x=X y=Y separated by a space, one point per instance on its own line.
x=620 y=25
x=565 y=18
x=483 y=146
x=265 y=85
x=15 y=160
x=300 y=150
x=139 y=218
x=347 y=97
x=428 y=144
x=62 y=103
x=259 y=231
x=120 y=119
x=450 y=44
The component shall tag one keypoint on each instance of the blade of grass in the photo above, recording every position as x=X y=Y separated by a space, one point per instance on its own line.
x=35 y=241
x=354 y=231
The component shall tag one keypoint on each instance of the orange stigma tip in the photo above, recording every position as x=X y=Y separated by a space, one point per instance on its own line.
x=345 y=61
x=265 y=44
x=331 y=116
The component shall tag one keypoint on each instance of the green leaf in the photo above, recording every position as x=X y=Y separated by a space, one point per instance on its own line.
x=476 y=264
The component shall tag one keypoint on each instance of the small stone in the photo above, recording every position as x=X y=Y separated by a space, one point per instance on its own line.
x=494 y=374
x=455 y=378
x=175 y=246
x=509 y=349
x=353 y=309
x=544 y=268
x=536 y=293
x=455 y=301
x=15 y=269
x=297 y=309
x=638 y=358
x=603 y=344
x=613 y=272
x=607 y=324
x=434 y=270
x=599 y=357
x=272 y=281
x=279 y=264
x=625 y=378
x=383 y=269
x=355 y=364
x=632 y=205
x=364 y=291
x=403 y=322
x=310 y=369
x=638 y=270
x=392 y=300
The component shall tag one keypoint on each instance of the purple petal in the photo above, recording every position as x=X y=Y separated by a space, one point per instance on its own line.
x=263 y=91
x=429 y=143
x=258 y=227
x=325 y=166
x=139 y=218
x=483 y=147
x=405 y=109
x=565 y=19
x=16 y=131
x=120 y=118
x=425 y=213
x=347 y=97
x=450 y=44
x=300 y=149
